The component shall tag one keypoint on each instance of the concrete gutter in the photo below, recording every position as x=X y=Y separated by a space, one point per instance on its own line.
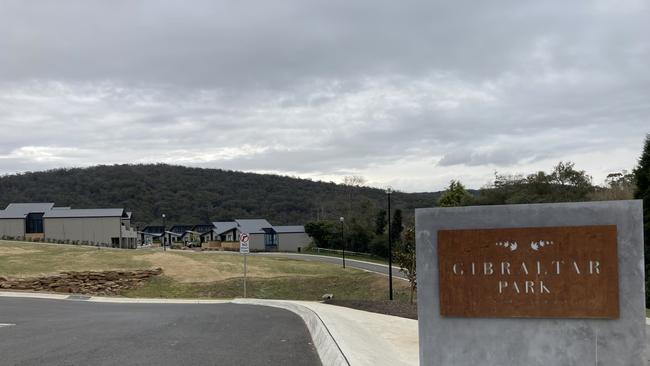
x=329 y=351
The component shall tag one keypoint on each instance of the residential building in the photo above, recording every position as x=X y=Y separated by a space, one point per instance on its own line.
x=43 y=221
x=263 y=236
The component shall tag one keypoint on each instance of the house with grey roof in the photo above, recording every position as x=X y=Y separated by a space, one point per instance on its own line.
x=263 y=235
x=43 y=221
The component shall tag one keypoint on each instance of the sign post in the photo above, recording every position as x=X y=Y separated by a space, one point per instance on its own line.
x=244 y=249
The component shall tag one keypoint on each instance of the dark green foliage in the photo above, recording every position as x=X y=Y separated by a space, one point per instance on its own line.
x=359 y=238
x=642 y=179
x=195 y=195
x=379 y=245
x=563 y=184
x=321 y=232
x=454 y=195
x=396 y=226
x=380 y=222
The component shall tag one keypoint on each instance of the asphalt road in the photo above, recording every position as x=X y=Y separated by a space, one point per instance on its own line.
x=63 y=332
x=367 y=266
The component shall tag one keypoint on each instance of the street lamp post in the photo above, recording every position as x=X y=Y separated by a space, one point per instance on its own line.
x=343 y=239
x=390 y=249
x=164 y=238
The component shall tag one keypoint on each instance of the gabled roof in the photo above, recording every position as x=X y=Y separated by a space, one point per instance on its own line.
x=21 y=210
x=80 y=213
x=290 y=229
x=203 y=228
x=221 y=227
x=152 y=230
x=180 y=229
x=254 y=226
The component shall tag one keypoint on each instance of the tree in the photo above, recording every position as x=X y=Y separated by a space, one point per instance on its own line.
x=454 y=195
x=321 y=232
x=351 y=182
x=396 y=226
x=359 y=237
x=618 y=186
x=642 y=179
x=563 y=184
x=405 y=258
x=380 y=222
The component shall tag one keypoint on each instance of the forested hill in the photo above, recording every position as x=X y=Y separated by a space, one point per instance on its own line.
x=193 y=195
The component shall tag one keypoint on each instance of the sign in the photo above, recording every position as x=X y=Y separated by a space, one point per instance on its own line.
x=549 y=272
x=243 y=243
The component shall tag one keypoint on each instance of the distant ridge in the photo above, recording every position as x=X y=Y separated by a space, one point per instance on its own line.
x=194 y=195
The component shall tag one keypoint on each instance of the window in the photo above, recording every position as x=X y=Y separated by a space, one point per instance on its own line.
x=34 y=223
x=270 y=238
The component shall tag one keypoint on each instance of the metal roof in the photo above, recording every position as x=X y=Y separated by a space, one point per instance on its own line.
x=221 y=227
x=153 y=230
x=253 y=226
x=21 y=210
x=180 y=229
x=203 y=228
x=79 y=213
x=290 y=229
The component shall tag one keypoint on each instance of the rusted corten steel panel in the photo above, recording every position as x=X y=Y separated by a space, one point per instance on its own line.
x=550 y=272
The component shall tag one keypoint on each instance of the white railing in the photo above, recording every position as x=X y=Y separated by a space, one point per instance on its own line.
x=347 y=253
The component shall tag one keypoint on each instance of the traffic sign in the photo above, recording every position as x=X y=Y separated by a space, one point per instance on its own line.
x=243 y=243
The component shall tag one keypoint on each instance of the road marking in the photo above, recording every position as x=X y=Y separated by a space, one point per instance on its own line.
x=6 y=325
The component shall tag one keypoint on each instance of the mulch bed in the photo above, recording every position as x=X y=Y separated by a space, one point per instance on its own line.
x=387 y=307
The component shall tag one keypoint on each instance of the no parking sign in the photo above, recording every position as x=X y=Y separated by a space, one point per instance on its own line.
x=243 y=243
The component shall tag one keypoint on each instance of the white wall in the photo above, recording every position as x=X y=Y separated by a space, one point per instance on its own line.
x=12 y=227
x=290 y=242
x=90 y=229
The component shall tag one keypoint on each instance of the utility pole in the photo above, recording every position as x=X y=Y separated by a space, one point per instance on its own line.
x=390 y=249
x=164 y=234
x=343 y=238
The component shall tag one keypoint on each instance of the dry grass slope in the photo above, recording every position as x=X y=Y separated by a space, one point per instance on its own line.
x=199 y=275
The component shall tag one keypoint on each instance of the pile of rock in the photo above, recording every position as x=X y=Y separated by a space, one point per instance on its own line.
x=92 y=283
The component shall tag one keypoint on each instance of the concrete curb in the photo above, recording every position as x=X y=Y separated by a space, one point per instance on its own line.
x=328 y=349
x=33 y=295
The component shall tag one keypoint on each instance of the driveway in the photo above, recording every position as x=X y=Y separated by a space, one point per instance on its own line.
x=60 y=332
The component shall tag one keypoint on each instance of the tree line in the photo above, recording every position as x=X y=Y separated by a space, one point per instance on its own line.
x=196 y=195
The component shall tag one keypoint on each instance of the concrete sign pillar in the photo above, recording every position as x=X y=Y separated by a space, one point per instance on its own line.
x=534 y=285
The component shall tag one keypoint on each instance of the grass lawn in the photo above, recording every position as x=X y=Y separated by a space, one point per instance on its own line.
x=201 y=275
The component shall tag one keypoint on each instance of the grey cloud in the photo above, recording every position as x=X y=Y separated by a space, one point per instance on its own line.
x=324 y=88
x=275 y=44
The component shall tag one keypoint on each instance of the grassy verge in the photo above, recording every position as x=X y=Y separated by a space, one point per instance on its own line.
x=365 y=286
x=201 y=275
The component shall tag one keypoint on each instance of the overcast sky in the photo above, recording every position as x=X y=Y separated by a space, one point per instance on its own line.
x=405 y=93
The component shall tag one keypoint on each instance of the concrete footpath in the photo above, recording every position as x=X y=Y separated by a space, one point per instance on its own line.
x=342 y=336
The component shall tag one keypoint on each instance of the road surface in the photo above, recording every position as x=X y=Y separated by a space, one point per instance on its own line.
x=64 y=332
x=352 y=263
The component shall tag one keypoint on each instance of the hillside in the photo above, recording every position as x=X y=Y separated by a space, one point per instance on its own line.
x=192 y=195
